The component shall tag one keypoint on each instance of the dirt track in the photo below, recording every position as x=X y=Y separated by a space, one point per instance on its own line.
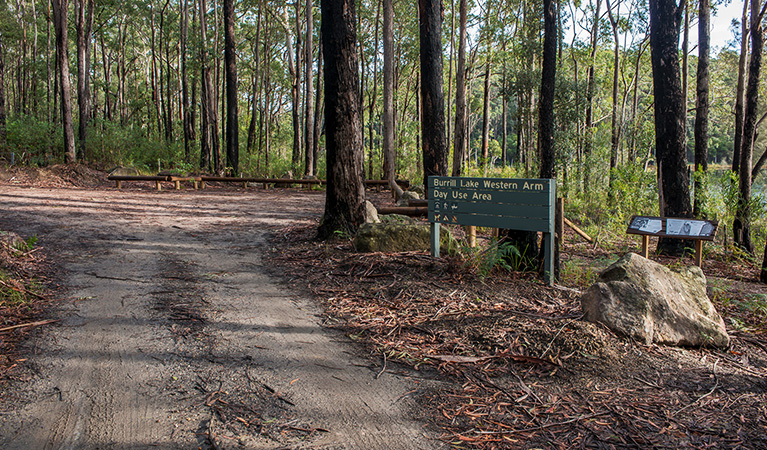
x=173 y=336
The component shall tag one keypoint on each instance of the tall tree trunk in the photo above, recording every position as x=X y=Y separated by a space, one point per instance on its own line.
x=433 y=100
x=459 y=143
x=548 y=82
x=740 y=91
x=701 y=107
x=232 y=119
x=84 y=10
x=60 y=8
x=3 y=133
x=345 y=195
x=486 y=96
x=294 y=80
x=742 y=224
x=186 y=113
x=617 y=113
x=210 y=145
x=373 y=94
x=310 y=168
x=591 y=87
x=486 y=117
x=389 y=154
x=546 y=106
x=665 y=19
x=318 y=110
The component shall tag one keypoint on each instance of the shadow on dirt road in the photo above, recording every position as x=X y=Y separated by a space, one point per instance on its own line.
x=174 y=337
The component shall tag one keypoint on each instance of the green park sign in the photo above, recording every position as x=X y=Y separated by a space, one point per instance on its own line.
x=516 y=204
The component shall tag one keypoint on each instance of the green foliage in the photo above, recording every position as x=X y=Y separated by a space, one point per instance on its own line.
x=634 y=192
x=33 y=140
x=573 y=274
x=503 y=256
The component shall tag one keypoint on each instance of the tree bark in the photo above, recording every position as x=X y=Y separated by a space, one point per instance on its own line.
x=486 y=116
x=310 y=165
x=84 y=9
x=740 y=90
x=345 y=194
x=701 y=107
x=615 y=125
x=548 y=82
x=60 y=8
x=388 y=98
x=459 y=143
x=210 y=145
x=591 y=87
x=185 y=111
x=763 y=274
x=665 y=19
x=433 y=101
x=741 y=226
x=232 y=118
x=3 y=132
x=294 y=94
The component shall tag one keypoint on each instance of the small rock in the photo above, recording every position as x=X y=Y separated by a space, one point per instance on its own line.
x=124 y=171
x=408 y=195
x=371 y=213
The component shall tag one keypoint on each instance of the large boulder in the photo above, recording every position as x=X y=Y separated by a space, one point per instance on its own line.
x=400 y=237
x=649 y=302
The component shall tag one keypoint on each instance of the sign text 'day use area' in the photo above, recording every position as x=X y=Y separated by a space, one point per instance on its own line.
x=517 y=204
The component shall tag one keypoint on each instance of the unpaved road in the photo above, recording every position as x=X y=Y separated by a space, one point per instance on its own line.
x=171 y=321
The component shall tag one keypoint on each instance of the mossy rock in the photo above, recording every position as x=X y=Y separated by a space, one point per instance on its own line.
x=400 y=237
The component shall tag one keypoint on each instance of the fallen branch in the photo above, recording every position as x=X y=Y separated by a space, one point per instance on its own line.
x=29 y=324
x=580 y=232
x=383 y=369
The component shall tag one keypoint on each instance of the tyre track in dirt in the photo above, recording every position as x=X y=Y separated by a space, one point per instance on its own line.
x=172 y=321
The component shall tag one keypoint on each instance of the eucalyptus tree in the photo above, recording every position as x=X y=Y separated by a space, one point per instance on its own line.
x=670 y=115
x=459 y=143
x=345 y=194
x=742 y=224
x=84 y=27
x=702 y=106
x=433 y=115
x=310 y=163
x=60 y=23
x=232 y=119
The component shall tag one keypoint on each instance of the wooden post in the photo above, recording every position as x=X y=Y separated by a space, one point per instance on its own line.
x=699 y=253
x=202 y=184
x=645 y=246
x=178 y=185
x=119 y=184
x=471 y=235
x=159 y=186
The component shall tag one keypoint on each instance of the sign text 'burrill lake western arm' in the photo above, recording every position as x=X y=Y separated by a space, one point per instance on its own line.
x=517 y=204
